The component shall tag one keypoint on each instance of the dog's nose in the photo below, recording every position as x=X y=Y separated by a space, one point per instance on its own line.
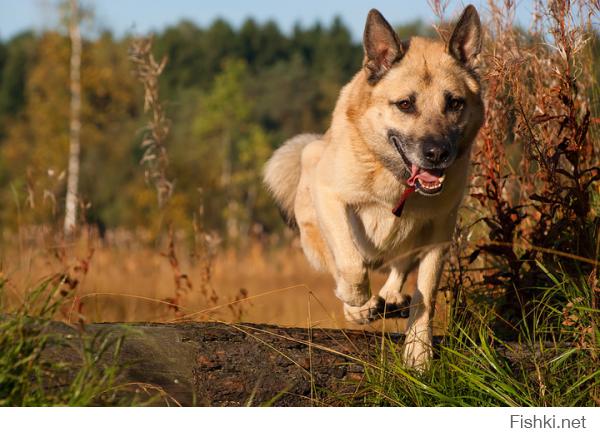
x=436 y=153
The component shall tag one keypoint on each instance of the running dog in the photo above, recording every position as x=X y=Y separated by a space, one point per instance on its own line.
x=383 y=185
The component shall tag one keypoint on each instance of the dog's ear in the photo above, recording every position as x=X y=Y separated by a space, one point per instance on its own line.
x=465 y=42
x=382 y=46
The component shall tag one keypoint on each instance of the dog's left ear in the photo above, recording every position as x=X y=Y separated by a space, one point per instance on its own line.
x=465 y=42
x=382 y=46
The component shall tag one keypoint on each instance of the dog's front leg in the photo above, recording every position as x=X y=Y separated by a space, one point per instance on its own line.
x=418 y=342
x=350 y=272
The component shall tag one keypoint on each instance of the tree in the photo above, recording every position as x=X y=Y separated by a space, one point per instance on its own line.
x=17 y=58
x=36 y=140
x=237 y=146
x=75 y=121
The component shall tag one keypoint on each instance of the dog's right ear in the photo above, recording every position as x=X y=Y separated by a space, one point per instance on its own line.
x=382 y=46
x=465 y=42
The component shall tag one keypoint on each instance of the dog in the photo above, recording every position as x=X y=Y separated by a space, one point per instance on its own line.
x=383 y=185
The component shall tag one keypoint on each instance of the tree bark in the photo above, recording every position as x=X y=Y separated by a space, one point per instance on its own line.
x=215 y=364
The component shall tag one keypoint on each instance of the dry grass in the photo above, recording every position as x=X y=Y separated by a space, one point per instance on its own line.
x=122 y=278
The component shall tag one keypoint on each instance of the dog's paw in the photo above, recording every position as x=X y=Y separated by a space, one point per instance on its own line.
x=417 y=354
x=366 y=313
x=397 y=307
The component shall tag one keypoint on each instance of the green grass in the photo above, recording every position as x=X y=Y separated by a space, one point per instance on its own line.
x=30 y=377
x=553 y=362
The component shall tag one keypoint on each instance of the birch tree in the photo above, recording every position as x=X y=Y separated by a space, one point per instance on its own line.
x=75 y=120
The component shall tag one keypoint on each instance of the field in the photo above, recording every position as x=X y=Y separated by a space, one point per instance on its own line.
x=173 y=223
x=260 y=284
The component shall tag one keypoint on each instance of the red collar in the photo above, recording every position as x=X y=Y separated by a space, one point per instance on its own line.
x=400 y=205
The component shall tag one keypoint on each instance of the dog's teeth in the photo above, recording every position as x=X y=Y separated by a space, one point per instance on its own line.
x=442 y=179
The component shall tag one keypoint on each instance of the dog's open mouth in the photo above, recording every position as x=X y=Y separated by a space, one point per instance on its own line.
x=426 y=181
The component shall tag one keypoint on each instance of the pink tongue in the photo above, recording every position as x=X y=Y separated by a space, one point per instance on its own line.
x=424 y=175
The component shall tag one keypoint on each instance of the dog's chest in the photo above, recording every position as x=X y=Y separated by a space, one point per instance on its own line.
x=379 y=234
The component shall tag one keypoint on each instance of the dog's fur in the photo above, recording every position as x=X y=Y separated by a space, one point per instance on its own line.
x=414 y=108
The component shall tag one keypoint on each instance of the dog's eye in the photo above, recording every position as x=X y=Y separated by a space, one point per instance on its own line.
x=455 y=104
x=405 y=105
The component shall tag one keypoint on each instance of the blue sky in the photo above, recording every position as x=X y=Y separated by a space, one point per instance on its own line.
x=141 y=16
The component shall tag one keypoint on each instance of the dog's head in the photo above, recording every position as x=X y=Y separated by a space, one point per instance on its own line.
x=423 y=106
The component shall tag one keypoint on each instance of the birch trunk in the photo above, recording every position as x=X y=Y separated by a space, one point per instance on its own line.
x=75 y=122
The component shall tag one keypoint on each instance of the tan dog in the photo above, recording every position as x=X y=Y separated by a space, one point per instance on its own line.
x=383 y=184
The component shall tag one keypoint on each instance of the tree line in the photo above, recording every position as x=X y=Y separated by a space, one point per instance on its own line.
x=231 y=94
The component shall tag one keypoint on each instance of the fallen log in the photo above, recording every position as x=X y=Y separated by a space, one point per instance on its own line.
x=216 y=364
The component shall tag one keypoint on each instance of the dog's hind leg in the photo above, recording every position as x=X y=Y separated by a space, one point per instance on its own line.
x=390 y=303
x=397 y=304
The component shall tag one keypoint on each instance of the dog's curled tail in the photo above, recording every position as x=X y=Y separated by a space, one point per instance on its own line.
x=282 y=173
